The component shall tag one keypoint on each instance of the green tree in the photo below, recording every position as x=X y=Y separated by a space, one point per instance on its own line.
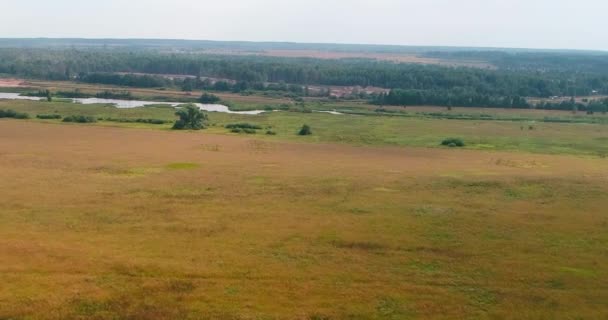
x=190 y=118
x=49 y=97
x=209 y=98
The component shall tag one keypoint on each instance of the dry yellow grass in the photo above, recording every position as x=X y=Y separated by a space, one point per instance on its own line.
x=108 y=223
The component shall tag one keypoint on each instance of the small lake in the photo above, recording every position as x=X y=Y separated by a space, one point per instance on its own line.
x=125 y=104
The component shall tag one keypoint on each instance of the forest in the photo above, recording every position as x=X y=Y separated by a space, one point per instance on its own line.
x=518 y=75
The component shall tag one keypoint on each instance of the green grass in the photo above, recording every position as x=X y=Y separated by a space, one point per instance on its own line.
x=549 y=138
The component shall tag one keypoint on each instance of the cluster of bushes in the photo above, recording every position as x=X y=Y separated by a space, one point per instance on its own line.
x=48 y=116
x=80 y=119
x=72 y=94
x=243 y=130
x=139 y=120
x=453 y=142
x=243 y=126
x=107 y=94
x=13 y=114
x=247 y=128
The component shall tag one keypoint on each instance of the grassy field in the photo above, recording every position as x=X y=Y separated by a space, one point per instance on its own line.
x=528 y=134
x=115 y=223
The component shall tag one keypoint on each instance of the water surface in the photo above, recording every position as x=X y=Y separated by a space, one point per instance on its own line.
x=126 y=104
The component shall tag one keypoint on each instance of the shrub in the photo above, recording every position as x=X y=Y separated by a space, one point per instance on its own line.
x=453 y=142
x=13 y=114
x=305 y=131
x=271 y=133
x=190 y=118
x=243 y=126
x=48 y=116
x=80 y=119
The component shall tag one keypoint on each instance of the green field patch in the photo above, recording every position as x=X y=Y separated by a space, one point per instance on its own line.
x=479 y=297
x=425 y=267
x=182 y=166
x=529 y=191
x=392 y=308
x=580 y=272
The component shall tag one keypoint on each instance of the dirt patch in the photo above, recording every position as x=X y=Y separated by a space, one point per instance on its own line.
x=12 y=83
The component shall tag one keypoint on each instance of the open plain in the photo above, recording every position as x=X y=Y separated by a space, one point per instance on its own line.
x=115 y=223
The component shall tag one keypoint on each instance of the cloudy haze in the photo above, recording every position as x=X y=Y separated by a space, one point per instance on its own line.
x=562 y=24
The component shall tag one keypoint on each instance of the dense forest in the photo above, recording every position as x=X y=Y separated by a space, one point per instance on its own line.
x=557 y=74
x=590 y=62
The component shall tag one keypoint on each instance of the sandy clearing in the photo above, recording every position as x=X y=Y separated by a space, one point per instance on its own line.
x=12 y=83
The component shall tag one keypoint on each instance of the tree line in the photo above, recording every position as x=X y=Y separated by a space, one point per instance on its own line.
x=411 y=83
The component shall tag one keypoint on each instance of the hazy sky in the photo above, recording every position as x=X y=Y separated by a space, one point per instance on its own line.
x=580 y=24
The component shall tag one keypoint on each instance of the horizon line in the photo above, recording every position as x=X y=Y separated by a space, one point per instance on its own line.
x=488 y=48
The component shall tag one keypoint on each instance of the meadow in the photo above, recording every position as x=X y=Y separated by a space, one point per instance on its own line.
x=420 y=127
x=368 y=218
x=102 y=223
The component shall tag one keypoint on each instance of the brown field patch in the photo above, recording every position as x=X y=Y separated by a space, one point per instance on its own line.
x=394 y=57
x=12 y=83
x=224 y=227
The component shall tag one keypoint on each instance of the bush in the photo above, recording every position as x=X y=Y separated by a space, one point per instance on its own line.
x=271 y=133
x=80 y=119
x=48 y=116
x=453 y=142
x=13 y=114
x=305 y=131
x=243 y=126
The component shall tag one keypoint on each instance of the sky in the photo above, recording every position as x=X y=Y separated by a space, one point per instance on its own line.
x=551 y=24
